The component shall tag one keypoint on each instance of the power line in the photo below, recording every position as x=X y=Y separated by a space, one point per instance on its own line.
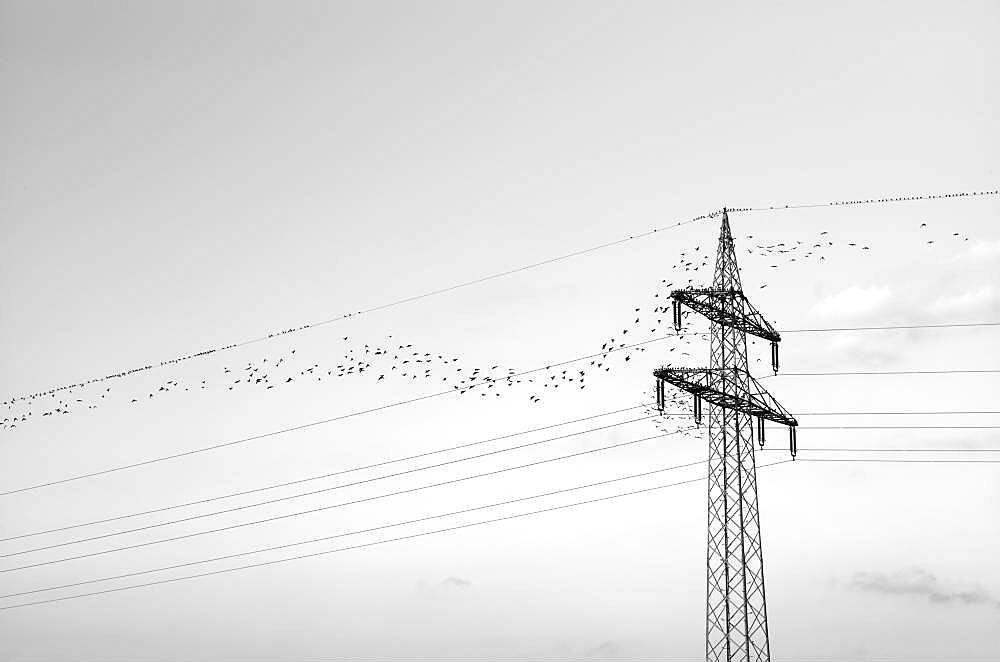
x=891 y=450
x=368 y=530
x=893 y=427
x=309 y=511
x=390 y=405
x=870 y=201
x=893 y=413
x=892 y=327
x=545 y=658
x=439 y=451
x=894 y=461
x=881 y=372
x=326 y=475
x=887 y=327
x=370 y=544
x=483 y=279
x=372 y=309
x=324 y=421
x=273 y=433
x=407 y=537
x=326 y=489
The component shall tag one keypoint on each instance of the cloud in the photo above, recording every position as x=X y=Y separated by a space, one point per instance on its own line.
x=920 y=583
x=456 y=582
x=853 y=301
x=964 y=302
x=446 y=589
x=605 y=650
x=985 y=250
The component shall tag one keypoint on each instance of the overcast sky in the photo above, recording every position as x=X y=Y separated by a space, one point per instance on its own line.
x=184 y=175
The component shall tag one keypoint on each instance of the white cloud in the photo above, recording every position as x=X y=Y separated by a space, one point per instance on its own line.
x=963 y=302
x=920 y=583
x=449 y=586
x=985 y=250
x=853 y=301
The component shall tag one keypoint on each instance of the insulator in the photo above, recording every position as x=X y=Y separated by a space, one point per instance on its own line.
x=660 y=395
x=760 y=431
x=774 y=356
x=677 y=315
x=697 y=410
x=792 y=444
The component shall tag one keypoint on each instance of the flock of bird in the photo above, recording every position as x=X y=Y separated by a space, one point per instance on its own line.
x=383 y=361
x=380 y=362
x=875 y=201
x=397 y=360
x=780 y=254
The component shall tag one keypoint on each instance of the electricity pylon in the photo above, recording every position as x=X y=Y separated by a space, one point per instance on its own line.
x=736 y=627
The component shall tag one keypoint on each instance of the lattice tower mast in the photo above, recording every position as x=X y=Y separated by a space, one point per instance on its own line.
x=736 y=615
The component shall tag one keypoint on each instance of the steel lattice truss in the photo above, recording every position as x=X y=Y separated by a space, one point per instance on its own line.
x=711 y=303
x=736 y=627
x=713 y=385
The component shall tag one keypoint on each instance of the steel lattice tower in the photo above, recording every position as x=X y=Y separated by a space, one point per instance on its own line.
x=736 y=627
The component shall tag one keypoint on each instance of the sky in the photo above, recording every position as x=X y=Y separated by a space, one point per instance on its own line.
x=187 y=175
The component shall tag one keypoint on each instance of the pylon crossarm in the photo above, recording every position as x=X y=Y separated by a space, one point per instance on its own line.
x=710 y=303
x=707 y=384
x=692 y=380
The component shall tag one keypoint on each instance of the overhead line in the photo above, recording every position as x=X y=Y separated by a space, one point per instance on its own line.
x=328 y=489
x=324 y=421
x=326 y=475
x=373 y=543
x=892 y=327
x=869 y=201
x=890 y=450
x=436 y=452
x=412 y=536
x=886 y=327
x=391 y=304
x=882 y=372
x=893 y=427
x=370 y=544
x=893 y=461
x=368 y=530
x=488 y=277
x=893 y=413
x=273 y=433
x=321 y=508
